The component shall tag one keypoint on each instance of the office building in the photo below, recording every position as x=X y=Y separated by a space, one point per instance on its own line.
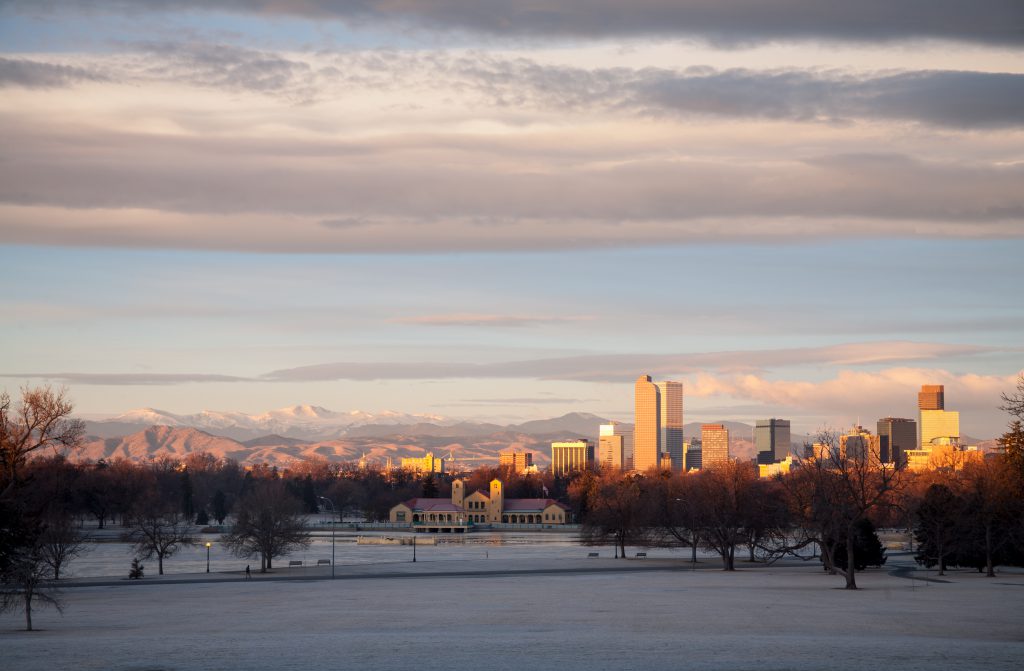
x=519 y=462
x=772 y=440
x=570 y=456
x=714 y=440
x=936 y=425
x=647 y=425
x=931 y=397
x=671 y=393
x=896 y=437
x=428 y=463
x=615 y=446
x=939 y=427
x=859 y=444
x=692 y=455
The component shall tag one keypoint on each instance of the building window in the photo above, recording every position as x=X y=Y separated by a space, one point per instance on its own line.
x=400 y=517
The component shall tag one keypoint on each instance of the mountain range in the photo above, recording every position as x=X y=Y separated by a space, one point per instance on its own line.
x=304 y=431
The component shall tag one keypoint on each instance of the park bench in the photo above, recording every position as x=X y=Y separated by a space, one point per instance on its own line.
x=322 y=562
x=295 y=562
x=593 y=554
x=641 y=555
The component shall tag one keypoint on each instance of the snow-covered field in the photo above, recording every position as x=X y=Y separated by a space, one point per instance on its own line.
x=397 y=616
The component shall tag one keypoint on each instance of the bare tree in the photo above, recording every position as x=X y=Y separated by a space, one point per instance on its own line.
x=157 y=531
x=726 y=498
x=61 y=541
x=939 y=516
x=1014 y=403
x=833 y=491
x=678 y=518
x=39 y=421
x=267 y=524
x=617 y=510
x=991 y=507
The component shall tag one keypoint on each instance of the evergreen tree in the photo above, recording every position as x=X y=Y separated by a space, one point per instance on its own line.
x=938 y=529
x=429 y=487
x=202 y=518
x=220 y=508
x=867 y=548
x=309 y=500
x=187 y=502
x=136 y=570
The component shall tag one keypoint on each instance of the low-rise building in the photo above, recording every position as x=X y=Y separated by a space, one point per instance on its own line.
x=461 y=512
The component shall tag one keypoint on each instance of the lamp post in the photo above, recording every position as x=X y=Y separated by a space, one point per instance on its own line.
x=413 y=546
x=208 y=544
x=333 y=527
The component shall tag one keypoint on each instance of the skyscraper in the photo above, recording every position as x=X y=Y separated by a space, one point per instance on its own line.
x=772 y=439
x=940 y=427
x=672 y=423
x=571 y=455
x=936 y=425
x=519 y=462
x=931 y=397
x=615 y=446
x=647 y=426
x=896 y=437
x=714 y=440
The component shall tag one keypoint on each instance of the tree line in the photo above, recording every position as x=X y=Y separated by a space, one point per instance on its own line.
x=830 y=504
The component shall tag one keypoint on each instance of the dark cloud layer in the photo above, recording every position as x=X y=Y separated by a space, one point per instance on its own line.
x=726 y=23
x=956 y=99
x=33 y=74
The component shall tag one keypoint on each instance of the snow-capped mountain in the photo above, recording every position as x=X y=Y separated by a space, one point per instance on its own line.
x=298 y=421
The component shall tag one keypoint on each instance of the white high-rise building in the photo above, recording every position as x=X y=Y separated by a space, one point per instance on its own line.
x=615 y=446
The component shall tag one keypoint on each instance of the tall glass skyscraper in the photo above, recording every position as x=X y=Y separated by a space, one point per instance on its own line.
x=772 y=440
x=672 y=423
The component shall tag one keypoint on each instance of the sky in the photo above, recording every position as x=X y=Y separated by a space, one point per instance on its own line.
x=509 y=210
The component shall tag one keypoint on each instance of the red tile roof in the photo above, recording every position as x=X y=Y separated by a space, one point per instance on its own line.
x=433 y=505
x=530 y=505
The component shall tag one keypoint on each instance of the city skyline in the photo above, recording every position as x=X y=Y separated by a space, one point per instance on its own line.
x=499 y=217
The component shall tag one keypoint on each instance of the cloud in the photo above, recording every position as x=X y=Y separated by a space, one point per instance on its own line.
x=35 y=74
x=625 y=367
x=957 y=99
x=127 y=379
x=587 y=368
x=726 y=23
x=539 y=400
x=496 y=321
x=867 y=395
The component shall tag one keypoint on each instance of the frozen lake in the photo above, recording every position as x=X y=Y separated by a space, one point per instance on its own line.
x=112 y=558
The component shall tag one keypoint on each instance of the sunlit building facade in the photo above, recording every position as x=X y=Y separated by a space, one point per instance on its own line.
x=940 y=427
x=428 y=463
x=714 y=440
x=647 y=425
x=615 y=446
x=519 y=462
x=569 y=456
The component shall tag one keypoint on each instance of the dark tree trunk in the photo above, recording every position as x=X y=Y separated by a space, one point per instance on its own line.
x=989 y=568
x=851 y=569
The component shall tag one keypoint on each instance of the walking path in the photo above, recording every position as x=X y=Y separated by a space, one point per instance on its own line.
x=419 y=569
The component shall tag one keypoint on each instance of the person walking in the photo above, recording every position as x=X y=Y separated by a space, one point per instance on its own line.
x=248 y=573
